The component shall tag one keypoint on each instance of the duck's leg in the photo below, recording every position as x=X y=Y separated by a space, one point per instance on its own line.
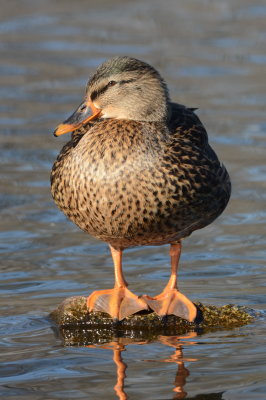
x=118 y=302
x=171 y=301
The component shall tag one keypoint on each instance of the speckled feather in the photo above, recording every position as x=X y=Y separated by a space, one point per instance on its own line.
x=133 y=183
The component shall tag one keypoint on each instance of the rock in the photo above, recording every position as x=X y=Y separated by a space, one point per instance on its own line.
x=78 y=326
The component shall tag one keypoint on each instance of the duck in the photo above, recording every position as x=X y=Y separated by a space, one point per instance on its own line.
x=137 y=171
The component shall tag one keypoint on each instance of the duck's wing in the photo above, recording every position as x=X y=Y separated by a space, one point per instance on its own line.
x=184 y=123
x=194 y=155
x=188 y=130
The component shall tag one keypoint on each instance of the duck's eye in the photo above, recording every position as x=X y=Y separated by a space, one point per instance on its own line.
x=111 y=83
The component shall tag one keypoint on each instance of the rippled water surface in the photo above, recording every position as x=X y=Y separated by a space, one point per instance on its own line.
x=212 y=54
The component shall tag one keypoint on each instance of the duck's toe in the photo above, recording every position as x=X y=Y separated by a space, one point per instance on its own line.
x=171 y=301
x=117 y=302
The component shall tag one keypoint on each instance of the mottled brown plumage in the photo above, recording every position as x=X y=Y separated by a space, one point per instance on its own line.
x=138 y=180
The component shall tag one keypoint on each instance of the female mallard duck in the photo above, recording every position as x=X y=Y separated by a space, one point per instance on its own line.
x=138 y=170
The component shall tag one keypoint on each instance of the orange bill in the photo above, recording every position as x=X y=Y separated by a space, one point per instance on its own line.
x=84 y=113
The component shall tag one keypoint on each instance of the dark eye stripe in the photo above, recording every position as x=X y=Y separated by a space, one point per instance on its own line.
x=96 y=93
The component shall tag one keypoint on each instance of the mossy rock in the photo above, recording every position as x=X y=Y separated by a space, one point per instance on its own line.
x=79 y=326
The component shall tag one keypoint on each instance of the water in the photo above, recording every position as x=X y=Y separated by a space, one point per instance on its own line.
x=212 y=55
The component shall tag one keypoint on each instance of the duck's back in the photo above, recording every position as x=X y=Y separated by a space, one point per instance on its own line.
x=131 y=183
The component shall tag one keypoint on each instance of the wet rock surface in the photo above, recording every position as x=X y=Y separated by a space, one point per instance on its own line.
x=79 y=326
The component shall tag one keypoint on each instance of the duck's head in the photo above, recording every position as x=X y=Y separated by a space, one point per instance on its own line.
x=122 y=88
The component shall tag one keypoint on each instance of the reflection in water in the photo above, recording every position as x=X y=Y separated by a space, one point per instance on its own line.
x=120 y=372
x=177 y=357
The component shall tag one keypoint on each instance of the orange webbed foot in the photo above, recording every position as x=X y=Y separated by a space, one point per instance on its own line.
x=171 y=301
x=118 y=302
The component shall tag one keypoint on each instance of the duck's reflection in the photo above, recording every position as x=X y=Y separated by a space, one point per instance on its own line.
x=177 y=357
x=120 y=372
x=176 y=342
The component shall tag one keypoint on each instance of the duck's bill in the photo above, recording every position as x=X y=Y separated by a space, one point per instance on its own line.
x=85 y=113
